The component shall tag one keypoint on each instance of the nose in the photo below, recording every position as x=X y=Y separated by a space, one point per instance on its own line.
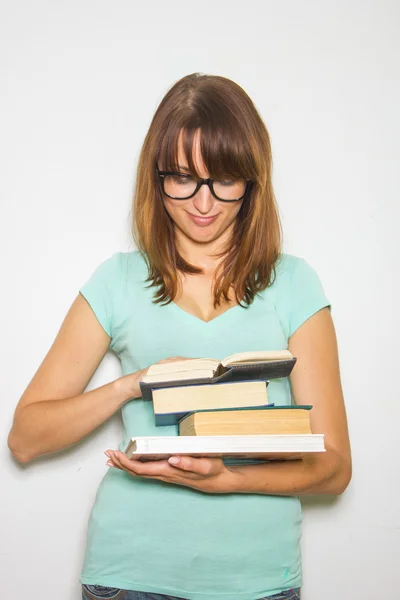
x=203 y=201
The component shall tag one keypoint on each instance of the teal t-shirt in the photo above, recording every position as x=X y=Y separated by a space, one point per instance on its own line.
x=148 y=535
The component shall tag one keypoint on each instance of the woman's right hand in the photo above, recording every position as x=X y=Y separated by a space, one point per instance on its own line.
x=130 y=384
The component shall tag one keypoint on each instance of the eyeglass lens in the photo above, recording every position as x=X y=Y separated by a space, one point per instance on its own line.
x=182 y=186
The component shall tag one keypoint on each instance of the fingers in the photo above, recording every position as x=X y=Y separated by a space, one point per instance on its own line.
x=135 y=467
x=200 y=466
x=172 y=359
x=182 y=470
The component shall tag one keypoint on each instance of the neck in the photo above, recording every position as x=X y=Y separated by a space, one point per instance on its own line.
x=204 y=255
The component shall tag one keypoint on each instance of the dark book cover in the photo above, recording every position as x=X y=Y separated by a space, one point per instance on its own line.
x=244 y=372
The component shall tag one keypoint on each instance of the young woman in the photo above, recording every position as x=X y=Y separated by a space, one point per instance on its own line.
x=209 y=279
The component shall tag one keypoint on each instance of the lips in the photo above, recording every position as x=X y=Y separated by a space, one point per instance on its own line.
x=202 y=221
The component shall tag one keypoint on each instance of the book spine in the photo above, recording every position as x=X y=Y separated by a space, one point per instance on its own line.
x=147 y=392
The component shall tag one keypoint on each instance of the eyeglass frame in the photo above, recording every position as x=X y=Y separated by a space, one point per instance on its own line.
x=202 y=181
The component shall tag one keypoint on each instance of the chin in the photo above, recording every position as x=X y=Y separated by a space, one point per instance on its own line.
x=202 y=235
x=203 y=239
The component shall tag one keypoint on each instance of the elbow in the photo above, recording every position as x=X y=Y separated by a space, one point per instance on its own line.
x=15 y=447
x=341 y=478
x=344 y=477
x=335 y=472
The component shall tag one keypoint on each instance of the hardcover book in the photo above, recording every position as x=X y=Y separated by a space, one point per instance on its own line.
x=264 y=447
x=293 y=419
x=171 y=404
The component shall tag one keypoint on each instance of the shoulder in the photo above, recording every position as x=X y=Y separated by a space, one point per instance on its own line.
x=113 y=275
x=298 y=291
x=133 y=262
x=121 y=265
x=112 y=285
x=288 y=267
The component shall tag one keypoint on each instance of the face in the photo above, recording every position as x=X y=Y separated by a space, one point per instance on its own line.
x=203 y=218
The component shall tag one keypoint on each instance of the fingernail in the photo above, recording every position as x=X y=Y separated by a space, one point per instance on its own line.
x=110 y=463
x=174 y=460
x=107 y=453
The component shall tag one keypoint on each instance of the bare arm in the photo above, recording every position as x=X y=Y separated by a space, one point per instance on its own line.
x=54 y=412
x=315 y=380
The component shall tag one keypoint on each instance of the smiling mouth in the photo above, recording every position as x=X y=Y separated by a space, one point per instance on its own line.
x=202 y=221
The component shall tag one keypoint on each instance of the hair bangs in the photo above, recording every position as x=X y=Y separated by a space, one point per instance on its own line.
x=225 y=151
x=225 y=148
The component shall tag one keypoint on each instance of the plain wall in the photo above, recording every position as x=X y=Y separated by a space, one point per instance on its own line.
x=79 y=83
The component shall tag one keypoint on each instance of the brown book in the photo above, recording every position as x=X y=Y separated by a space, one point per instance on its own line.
x=268 y=421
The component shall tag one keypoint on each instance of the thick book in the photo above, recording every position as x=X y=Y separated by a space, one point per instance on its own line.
x=264 y=447
x=171 y=404
x=269 y=420
x=244 y=366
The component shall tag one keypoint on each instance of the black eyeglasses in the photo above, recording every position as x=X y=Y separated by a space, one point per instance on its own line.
x=182 y=186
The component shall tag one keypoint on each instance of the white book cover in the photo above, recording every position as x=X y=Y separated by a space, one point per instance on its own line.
x=251 y=446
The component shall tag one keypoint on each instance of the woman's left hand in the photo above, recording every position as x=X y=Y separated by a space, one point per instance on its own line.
x=203 y=474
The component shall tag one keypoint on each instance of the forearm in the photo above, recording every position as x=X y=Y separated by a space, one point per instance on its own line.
x=327 y=473
x=52 y=425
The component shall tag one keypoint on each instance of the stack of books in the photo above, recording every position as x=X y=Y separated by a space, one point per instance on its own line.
x=222 y=409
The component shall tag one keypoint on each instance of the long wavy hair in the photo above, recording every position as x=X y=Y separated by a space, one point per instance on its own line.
x=235 y=142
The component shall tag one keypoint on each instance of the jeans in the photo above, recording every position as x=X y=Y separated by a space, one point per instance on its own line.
x=98 y=592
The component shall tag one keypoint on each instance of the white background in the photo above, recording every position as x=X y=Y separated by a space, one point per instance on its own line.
x=79 y=84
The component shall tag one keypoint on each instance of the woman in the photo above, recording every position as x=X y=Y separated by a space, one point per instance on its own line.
x=210 y=280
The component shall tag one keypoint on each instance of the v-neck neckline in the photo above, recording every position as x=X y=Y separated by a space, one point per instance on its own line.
x=198 y=319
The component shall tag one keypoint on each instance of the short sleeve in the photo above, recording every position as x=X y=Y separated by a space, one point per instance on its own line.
x=307 y=295
x=101 y=291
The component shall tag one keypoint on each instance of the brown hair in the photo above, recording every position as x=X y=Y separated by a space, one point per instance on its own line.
x=234 y=141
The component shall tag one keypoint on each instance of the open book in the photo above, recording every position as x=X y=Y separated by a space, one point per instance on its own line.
x=265 y=447
x=259 y=365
